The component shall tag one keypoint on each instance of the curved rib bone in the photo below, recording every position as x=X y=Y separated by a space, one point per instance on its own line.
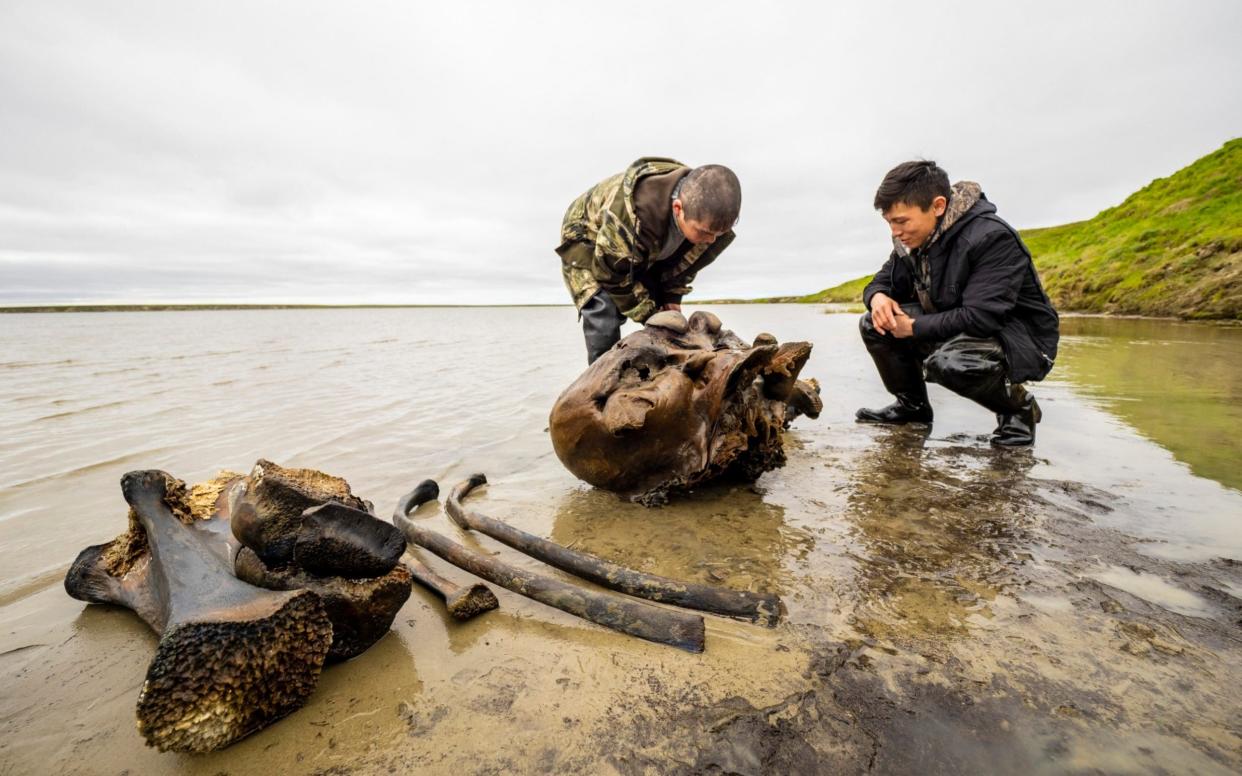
x=764 y=609
x=612 y=611
x=232 y=658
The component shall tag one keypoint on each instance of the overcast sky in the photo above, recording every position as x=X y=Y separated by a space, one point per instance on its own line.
x=418 y=152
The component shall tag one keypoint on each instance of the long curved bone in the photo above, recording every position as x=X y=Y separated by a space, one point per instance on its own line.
x=756 y=607
x=636 y=618
x=232 y=658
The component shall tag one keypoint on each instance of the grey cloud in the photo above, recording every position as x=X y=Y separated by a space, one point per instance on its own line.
x=309 y=151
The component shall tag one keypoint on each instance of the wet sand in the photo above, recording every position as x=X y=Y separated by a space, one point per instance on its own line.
x=952 y=608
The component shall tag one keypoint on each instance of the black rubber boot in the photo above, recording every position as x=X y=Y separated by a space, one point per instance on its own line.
x=907 y=409
x=1016 y=410
x=974 y=367
x=1017 y=428
x=901 y=368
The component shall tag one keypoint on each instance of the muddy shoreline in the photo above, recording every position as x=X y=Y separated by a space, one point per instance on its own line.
x=951 y=608
x=990 y=650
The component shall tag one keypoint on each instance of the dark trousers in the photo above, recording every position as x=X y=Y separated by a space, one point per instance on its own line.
x=973 y=367
x=601 y=324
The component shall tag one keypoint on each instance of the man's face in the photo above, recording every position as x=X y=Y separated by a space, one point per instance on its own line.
x=694 y=231
x=911 y=224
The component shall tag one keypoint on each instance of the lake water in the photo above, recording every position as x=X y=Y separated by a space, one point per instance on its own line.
x=1077 y=603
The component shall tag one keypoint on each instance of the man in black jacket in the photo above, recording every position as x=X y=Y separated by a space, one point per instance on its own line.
x=957 y=303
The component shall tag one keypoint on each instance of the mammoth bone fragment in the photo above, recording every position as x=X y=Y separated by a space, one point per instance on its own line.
x=680 y=403
x=461 y=601
x=636 y=618
x=764 y=609
x=303 y=529
x=232 y=658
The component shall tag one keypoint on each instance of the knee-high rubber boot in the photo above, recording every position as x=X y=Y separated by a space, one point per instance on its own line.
x=1016 y=427
x=975 y=368
x=901 y=370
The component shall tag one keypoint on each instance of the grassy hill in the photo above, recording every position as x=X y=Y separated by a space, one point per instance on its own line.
x=1172 y=248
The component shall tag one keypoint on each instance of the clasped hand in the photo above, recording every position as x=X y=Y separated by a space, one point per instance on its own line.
x=888 y=318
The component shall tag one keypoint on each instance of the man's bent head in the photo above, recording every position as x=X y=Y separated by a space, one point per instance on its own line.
x=708 y=203
x=912 y=197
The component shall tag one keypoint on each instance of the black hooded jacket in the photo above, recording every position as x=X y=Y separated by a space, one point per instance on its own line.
x=984 y=284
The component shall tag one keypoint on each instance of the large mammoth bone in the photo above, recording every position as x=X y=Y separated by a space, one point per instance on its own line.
x=232 y=658
x=637 y=618
x=764 y=609
x=303 y=529
x=680 y=403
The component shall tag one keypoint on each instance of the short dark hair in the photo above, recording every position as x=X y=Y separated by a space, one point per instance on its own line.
x=915 y=183
x=712 y=195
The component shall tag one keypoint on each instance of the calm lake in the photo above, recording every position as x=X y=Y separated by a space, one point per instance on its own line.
x=951 y=607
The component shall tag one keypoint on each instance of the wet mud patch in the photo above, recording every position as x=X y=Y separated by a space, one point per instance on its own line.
x=986 y=637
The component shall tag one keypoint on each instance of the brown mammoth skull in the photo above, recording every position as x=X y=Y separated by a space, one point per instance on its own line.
x=680 y=403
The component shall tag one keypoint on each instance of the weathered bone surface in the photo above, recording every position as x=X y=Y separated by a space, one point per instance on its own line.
x=332 y=545
x=680 y=403
x=361 y=610
x=627 y=615
x=756 y=607
x=232 y=657
x=270 y=517
x=462 y=601
x=235 y=656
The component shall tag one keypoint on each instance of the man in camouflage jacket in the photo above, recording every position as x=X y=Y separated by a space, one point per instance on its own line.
x=632 y=244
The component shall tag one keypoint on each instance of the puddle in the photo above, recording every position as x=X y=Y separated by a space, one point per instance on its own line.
x=1155 y=590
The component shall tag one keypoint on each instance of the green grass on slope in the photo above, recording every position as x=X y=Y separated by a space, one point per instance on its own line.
x=1172 y=248
x=846 y=292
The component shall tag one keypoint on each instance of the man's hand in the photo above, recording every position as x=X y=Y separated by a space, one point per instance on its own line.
x=884 y=313
x=903 y=325
x=671 y=306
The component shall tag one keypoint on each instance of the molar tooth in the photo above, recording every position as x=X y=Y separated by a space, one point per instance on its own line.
x=764 y=339
x=705 y=321
x=669 y=319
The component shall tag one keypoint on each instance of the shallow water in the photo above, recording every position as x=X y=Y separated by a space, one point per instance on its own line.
x=951 y=607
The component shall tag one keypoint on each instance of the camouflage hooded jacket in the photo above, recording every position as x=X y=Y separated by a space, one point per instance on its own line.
x=600 y=248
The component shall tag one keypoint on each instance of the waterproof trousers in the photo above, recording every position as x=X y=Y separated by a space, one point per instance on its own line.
x=601 y=324
x=973 y=367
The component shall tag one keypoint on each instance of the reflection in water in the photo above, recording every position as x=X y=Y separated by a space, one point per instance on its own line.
x=1179 y=384
x=1155 y=589
x=942 y=528
x=725 y=535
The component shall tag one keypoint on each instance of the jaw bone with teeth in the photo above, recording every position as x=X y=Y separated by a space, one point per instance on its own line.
x=680 y=403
